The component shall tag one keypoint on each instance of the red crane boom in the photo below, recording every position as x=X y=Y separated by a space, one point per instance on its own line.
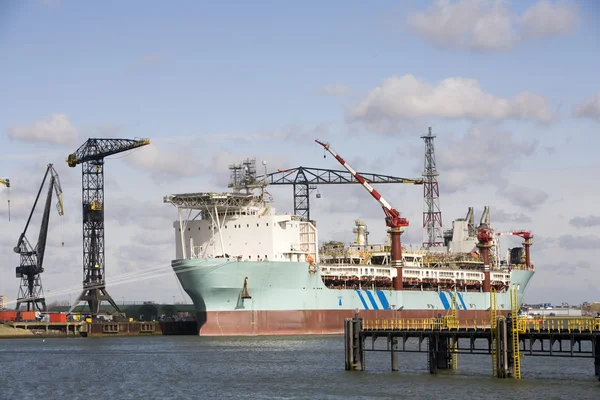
x=392 y=217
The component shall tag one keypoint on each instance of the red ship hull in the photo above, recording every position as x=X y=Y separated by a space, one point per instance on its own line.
x=310 y=322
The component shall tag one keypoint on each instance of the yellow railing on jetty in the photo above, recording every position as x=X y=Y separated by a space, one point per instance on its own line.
x=565 y=325
x=424 y=323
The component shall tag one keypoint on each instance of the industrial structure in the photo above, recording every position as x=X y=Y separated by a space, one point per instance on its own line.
x=303 y=180
x=91 y=157
x=32 y=257
x=6 y=182
x=432 y=214
x=392 y=219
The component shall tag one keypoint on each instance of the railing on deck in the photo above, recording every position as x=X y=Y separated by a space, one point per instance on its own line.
x=553 y=324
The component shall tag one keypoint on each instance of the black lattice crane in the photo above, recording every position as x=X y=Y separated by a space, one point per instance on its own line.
x=303 y=180
x=91 y=157
x=32 y=257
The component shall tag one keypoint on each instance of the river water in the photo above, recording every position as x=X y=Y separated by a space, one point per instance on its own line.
x=190 y=367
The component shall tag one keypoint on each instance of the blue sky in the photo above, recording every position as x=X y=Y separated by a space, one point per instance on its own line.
x=509 y=87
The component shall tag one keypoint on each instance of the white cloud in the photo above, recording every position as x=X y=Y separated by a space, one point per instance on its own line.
x=55 y=129
x=484 y=25
x=406 y=98
x=589 y=108
x=585 y=242
x=164 y=165
x=335 y=90
x=546 y=19
x=480 y=157
x=585 y=222
x=289 y=132
x=526 y=197
x=499 y=215
x=477 y=24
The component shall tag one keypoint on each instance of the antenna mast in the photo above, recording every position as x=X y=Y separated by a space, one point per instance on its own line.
x=432 y=215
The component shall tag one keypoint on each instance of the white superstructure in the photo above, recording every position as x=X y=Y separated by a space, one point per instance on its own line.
x=241 y=224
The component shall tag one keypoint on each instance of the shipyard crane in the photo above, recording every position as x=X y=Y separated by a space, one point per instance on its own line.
x=32 y=257
x=303 y=180
x=6 y=182
x=393 y=220
x=91 y=157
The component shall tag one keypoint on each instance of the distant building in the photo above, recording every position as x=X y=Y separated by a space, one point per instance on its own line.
x=3 y=302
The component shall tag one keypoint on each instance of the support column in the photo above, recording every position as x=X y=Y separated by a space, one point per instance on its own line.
x=394 y=349
x=453 y=349
x=596 y=351
x=502 y=359
x=527 y=245
x=353 y=344
x=509 y=351
x=443 y=358
x=432 y=356
x=485 y=238
x=348 y=342
x=487 y=276
x=396 y=255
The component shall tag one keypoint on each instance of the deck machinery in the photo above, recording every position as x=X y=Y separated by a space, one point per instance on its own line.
x=91 y=157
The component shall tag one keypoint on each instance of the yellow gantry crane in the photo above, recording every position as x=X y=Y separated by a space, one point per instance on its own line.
x=6 y=182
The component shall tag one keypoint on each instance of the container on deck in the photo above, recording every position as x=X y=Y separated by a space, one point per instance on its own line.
x=28 y=315
x=58 y=317
x=8 y=315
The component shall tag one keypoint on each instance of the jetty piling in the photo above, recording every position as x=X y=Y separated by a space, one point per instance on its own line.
x=354 y=344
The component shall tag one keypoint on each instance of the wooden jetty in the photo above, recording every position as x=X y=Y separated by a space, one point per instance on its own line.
x=108 y=328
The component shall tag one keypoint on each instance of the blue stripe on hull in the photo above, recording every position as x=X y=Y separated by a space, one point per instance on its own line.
x=362 y=299
x=462 y=301
x=383 y=300
x=444 y=300
x=372 y=300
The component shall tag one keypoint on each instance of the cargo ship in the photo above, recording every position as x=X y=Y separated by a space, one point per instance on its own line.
x=250 y=270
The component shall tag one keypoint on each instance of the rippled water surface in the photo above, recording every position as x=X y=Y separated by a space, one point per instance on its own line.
x=188 y=367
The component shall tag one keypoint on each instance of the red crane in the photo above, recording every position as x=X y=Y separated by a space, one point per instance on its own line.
x=485 y=238
x=527 y=242
x=392 y=217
